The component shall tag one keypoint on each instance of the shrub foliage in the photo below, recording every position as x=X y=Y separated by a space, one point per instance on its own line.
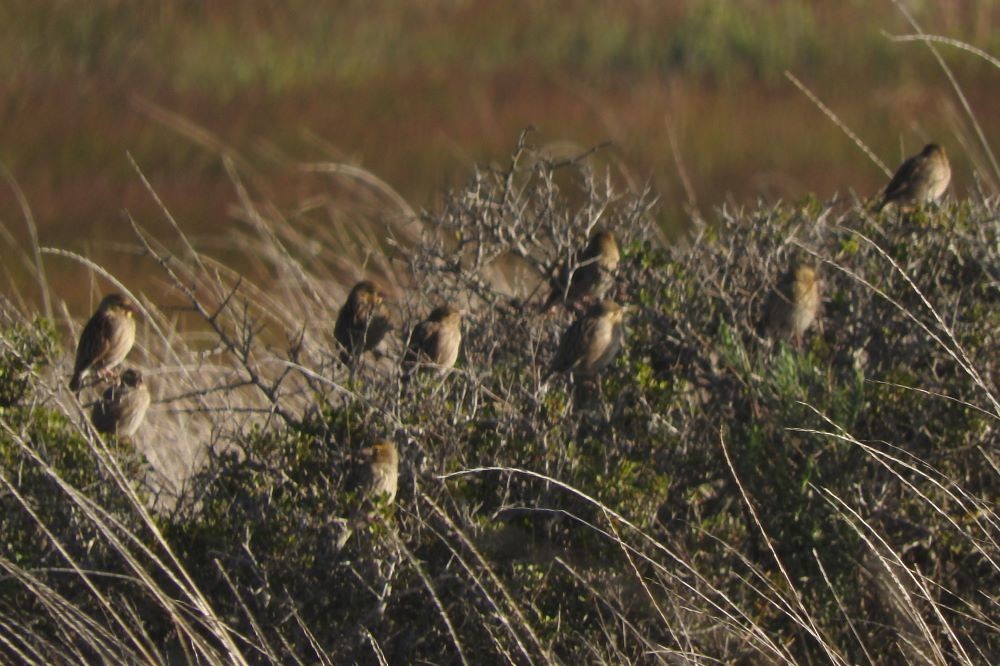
x=714 y=496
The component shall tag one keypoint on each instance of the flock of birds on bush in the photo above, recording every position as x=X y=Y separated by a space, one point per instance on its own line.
x=588 y=346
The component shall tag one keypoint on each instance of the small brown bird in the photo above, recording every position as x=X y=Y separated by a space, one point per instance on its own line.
x=378 y=483
x=123 y=407
x=363 y=321
x=382 y=471
x=919 y=180
x=590 y=277
x=434 y=342
x=106 y=339
x=793 y=304
x=592 y=341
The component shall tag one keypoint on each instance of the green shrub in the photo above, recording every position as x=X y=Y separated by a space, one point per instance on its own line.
x=713 y=493
x=44 y=457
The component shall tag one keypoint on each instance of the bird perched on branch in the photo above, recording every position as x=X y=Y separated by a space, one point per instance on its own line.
x=592 y=341
x=590 y=277
x=434 y=342
x=363 y=321
x=378 y=483
x=106 y=339
x=793 y=304
x=921 y=179
x=122 y=408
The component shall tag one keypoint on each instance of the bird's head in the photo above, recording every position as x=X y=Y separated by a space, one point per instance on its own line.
x=609 y=309
x=132 y=377
x=115 y=302
x=805 y=274
x=447 y=314
x=603 y=244
x=366 y=292
x=933 y=150
x=381 y=452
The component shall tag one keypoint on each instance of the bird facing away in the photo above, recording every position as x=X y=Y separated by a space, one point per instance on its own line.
x=793 y=304
x=106 y=339
x=591 y=276
x=919 y=180
x=434 y=342
x=379 y=482
x=592 y=341
x=363 y=321
x=123 y=407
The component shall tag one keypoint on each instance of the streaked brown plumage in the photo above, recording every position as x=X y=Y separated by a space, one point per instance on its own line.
x=379 y=482
x=106 y=339
x=919 y=180
x=382 y=471
x=592 y=341
x=590 y=277
x=435 y=342
x=793 y=304
x=363 y=321
x=123 y=407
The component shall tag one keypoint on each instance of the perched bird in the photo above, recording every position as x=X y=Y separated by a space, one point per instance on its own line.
x=920 y=179
x=434 y=342
x=592 y=341
x=381 y=471
x=379 y=481
x=590 y=277
x=793 y=304
x=362 y=322
x=106 y=339
x=123 y=407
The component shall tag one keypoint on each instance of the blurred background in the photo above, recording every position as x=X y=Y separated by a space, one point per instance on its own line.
x=691 y=93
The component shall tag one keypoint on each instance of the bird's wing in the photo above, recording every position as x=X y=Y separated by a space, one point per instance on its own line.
x=778 y=305
x=376 y=325
x=107 y=410
x=573 y=345
x=345 y=319
x=909 y=171
x=95 y=341
x=423 y=341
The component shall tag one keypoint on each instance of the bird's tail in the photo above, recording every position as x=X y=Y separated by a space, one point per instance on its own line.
x=554 y=297
x=76 y=382
x=344 y=536
x=358 y=519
